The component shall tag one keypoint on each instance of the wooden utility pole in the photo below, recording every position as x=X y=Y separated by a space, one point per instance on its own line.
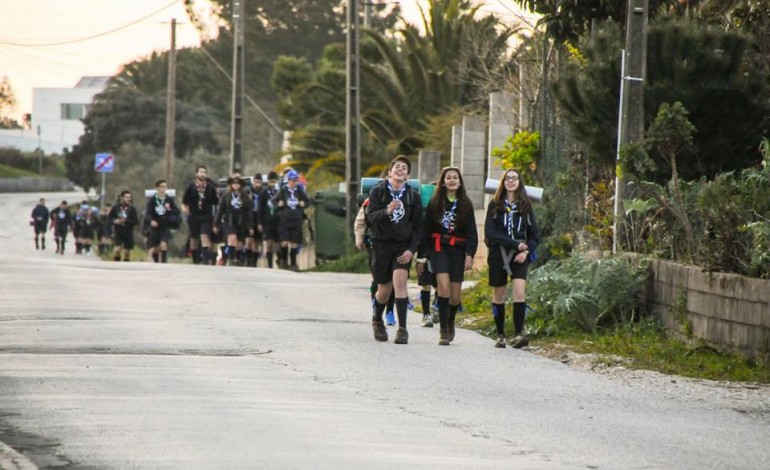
x=352 y=116
x=236 y=135
x=631 y=108
x=168 y=150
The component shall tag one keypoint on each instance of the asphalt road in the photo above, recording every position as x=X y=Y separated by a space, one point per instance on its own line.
x=108 y=365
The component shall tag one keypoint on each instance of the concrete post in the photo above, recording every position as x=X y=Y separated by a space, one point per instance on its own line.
x=455 y=159
x=502 y=124
x=428 y=166
x=474 y=158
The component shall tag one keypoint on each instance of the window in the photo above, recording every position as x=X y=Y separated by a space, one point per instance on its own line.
x=73 y=111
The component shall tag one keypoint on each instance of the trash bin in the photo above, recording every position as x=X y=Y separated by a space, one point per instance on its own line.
x=426 y=192
x=330 y=222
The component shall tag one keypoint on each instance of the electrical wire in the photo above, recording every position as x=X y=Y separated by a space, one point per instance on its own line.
x=94 y=36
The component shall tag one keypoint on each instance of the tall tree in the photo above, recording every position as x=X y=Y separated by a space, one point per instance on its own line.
x=701 y=67
x=7 y=105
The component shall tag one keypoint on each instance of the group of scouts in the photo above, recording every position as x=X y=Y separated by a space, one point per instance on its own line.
x=442 y=240
x=238 y=219
x=87 y=224
x=242 y=217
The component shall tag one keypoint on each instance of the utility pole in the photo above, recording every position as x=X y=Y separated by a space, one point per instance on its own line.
x=352 y=116
x=368 y=13
x=631 y=109
x=236 y=135
x=168 y=150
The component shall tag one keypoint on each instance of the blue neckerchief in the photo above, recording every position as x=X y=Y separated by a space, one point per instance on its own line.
x=255 y=202
x=449 y=217
x=397 y=195
x=399 y=213
x=511 y=209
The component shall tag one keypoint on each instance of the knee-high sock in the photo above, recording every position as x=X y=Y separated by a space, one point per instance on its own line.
x=519 y=310
x=443 y=310
x=498 y=312
x=377 y=310
x=293 y=253
x=425 y=301
x=401 y=306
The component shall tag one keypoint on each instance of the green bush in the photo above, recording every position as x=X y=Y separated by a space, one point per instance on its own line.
x=353 y=263
x=587 y=295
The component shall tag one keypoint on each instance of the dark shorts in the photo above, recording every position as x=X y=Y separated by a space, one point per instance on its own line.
x=427 y=278
x=257 y=234
x=60 y=232
x=385 y=260
x=290 y=232
x=498 y=276
x=199 y=224
x=271 y=230
x=451 y=260
x=125 y=239
x=158 y=235
x=239 y=232
x=41 y=227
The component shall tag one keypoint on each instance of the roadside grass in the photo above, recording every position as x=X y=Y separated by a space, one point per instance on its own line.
x=11 y=172
x=643 y=345
x=355 y=263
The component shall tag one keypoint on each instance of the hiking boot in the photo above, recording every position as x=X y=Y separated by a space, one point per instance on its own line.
x=450 y=331
x=402 y=336
x=519 y=341
x=435 y=318
x=390 y=318
x=500 y=343
x=427 y=320
x=442 y=339
x=380 y=333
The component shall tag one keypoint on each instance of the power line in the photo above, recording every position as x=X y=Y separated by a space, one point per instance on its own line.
x=249 y=98
x=98 y=35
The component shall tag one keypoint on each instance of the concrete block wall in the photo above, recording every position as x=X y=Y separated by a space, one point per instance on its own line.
x=33 y=185
x=726 y=310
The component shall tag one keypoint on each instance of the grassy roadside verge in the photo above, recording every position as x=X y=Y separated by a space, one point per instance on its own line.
x=642 y=345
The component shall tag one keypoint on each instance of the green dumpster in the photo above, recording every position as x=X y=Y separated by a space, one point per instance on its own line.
x=330 y=224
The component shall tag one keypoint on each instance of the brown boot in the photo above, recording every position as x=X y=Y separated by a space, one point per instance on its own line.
x=443 y=340
x=380 y=333
x=450 y=328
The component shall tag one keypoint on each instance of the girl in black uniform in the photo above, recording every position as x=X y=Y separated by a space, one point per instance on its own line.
x=451 y=240
x=512 y=235
x=234 y=216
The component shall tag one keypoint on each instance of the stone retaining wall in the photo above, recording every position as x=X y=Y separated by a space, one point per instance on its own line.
x=34 y=185
x=726 y=310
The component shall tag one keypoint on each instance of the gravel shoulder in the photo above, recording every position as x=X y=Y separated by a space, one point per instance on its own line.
x=744 y=397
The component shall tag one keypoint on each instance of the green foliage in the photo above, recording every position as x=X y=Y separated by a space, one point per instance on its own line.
x=705 y=69
x=18 y=163
x=730 y=218
x=356 y=263
x=568 y=20
x=11 y=172
x=586 y=295
x=520 y=151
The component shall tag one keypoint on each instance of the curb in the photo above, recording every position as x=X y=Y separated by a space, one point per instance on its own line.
x=12 y=460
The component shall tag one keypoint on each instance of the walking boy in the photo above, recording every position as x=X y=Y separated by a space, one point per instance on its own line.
x=395 y=214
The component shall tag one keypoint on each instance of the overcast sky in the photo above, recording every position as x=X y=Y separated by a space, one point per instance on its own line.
x=43 y=42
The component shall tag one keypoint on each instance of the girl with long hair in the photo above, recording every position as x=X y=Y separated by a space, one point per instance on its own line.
x=451 y=241
x=512 y=235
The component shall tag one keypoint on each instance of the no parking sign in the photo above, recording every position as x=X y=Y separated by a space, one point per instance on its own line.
x=105 y=163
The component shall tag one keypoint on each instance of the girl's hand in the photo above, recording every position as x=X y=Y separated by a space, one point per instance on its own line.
x=521 y=258
x=468 y=262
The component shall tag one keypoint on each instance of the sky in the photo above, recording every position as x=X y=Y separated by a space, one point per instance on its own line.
x=52 y=43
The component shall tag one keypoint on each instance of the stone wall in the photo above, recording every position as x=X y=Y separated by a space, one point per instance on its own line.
x=726 y=310
x=34 y=185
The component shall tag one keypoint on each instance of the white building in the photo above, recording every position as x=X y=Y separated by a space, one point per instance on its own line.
x=56 y=114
